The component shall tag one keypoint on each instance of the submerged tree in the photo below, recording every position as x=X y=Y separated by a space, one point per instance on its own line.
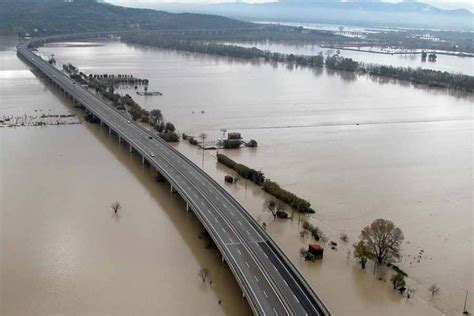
x=434 y=290
x=203 y=274
x=362 y=253
x=398 y=281
x=116 y=206
x=383 y=240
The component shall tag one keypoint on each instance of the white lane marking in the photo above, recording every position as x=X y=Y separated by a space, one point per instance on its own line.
x=285 y=282
x=240 y=223
x=233 y=214
x=248 y=232
x=248 y=266
x=239 y=252
x=265 y=293
x=256 y=279
x=223 y=230
x=296 y=298
x=274 y=310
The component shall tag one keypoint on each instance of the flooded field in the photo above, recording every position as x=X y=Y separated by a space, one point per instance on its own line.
x=64 y=251
x=448 y=63
x=357 y=148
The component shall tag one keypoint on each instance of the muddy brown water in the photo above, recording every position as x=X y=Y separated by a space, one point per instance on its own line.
x=358 y=148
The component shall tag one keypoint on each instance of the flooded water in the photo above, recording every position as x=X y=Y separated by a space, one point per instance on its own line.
x=464 y=65
x=64 y=251
x=357 y=148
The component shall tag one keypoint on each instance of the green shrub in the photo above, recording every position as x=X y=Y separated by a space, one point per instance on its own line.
x=289 y=198
x=169 y=137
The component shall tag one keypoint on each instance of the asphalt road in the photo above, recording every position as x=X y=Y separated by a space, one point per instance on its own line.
x=270 y=282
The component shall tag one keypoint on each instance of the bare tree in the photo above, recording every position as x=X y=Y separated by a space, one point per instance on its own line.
x=270 y=206
x=116 y=206
x=344 y=237
x=203 y=274
x=383 y=240
x=410 y=292
x=434 y=289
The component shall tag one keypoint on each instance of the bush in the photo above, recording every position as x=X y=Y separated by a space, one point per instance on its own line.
x=169 y=137
x=192 y=141
x=398 y=281
x=245 y=172
x=310 y=257
x=252 y=143
x=289 y=198
x=169 y=127
x=315 y=231
x=231 y=144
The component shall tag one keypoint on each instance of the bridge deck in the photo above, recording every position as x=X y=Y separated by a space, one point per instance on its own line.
x=267 y=278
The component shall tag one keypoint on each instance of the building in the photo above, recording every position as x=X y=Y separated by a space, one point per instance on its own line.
x=316 y=250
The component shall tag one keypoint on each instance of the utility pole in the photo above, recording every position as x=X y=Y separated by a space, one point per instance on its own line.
x=465 y=312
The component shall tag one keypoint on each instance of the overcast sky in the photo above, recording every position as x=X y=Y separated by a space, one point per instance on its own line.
x=447 y=4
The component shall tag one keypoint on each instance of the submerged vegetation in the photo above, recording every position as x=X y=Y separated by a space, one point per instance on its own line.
x=428 y=77
x=271 y=187
x=104 y=85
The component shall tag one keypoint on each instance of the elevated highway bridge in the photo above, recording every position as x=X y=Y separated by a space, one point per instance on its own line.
x=269 y=281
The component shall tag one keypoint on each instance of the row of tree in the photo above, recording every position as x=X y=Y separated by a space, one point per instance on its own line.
x=245 y=172
x=271 y=187
x=102 y=85
x=429 y=77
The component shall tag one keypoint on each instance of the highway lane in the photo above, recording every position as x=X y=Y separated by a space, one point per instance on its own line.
x=270 y=285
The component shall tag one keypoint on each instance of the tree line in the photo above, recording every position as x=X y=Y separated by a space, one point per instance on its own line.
x=271 y=187
x=433 y=78
x=103 y=86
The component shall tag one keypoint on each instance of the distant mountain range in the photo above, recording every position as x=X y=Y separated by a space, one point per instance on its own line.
x=368 y=13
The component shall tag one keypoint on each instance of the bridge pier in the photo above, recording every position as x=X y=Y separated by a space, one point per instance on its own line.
x=188 y=208
x=159 y=177
x=172 y=190
x=131 y=148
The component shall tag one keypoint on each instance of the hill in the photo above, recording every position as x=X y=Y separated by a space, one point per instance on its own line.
x=45 y=17
x=368 y=13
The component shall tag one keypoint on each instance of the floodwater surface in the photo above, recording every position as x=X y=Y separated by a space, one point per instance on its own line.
x=63 y=251
x=450 y=63
x=359 y=148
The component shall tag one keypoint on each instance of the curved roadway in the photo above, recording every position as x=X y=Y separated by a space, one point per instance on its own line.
x=267 y=278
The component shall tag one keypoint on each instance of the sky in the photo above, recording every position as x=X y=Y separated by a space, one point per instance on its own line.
x=445 y=4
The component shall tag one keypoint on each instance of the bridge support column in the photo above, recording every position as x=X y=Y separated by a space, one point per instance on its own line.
x=172 y=190
x=110 y=131
x=143 y=160
x=120 y=139
x=131 y=148
x=187 y=207
x=159 y=177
